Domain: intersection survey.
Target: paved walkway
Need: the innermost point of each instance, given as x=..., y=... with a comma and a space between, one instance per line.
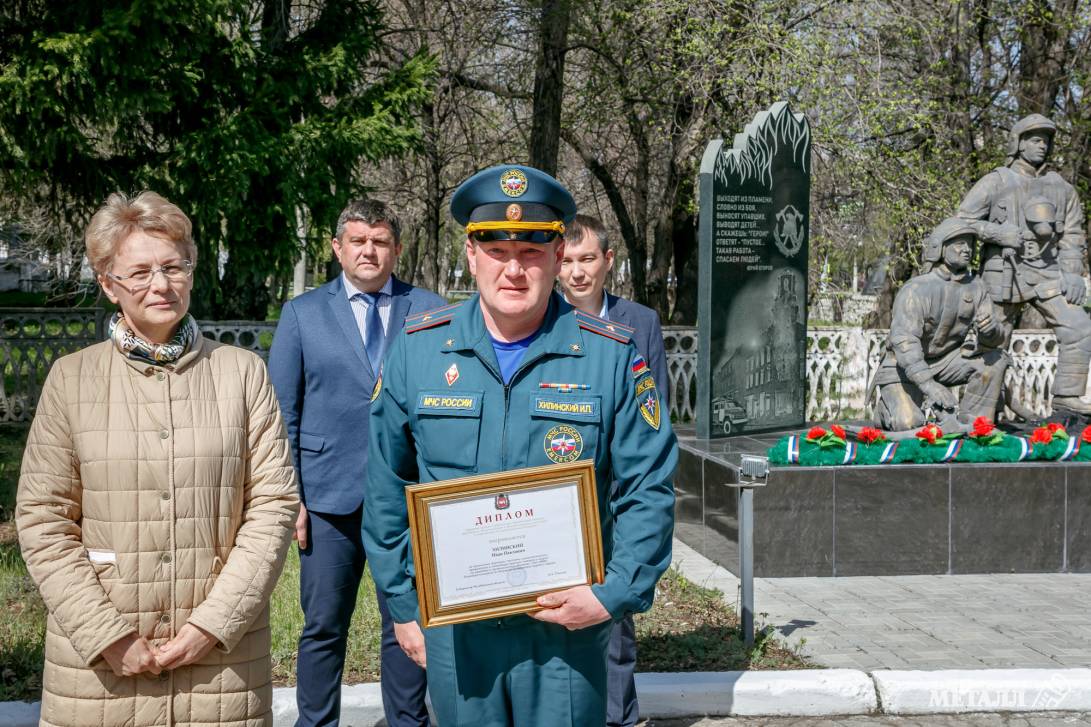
x=920, y=622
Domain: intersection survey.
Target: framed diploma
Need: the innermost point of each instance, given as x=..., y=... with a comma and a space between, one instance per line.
x=487, y=546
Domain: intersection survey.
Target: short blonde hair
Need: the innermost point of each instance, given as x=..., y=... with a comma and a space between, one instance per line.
x=120, y=216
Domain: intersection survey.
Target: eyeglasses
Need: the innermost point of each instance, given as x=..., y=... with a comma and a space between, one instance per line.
x=142, y=279
x=538, y=236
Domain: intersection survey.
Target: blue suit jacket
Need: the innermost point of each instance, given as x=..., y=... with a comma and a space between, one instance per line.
x=648, y=337
x=324, y=381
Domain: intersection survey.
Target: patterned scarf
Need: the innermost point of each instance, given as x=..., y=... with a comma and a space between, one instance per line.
x=138, y=349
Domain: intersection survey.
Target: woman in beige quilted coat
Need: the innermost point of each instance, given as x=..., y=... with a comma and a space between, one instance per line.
x=156, y=500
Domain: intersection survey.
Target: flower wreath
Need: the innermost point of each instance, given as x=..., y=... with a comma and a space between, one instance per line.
x=820, y=447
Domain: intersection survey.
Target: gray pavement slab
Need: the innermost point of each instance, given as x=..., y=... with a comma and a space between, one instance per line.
x=1035, y=620
x=1045, y=719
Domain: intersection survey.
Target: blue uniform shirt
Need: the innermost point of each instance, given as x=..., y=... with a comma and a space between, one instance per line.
x=510, y=354
x=495, y=427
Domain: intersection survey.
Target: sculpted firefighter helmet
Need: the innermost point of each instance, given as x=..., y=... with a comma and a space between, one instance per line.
x=1025, y=125
x=944, y=232
x=1040, y=209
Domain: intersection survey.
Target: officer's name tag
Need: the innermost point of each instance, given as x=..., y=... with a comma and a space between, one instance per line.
x=487, y=546
x=576, y=408
x=444, y=402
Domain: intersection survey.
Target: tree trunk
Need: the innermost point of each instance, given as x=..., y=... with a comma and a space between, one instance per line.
x=433, y=203
x=275, y=16
x=900, y=271
x=684, y=237
x=545, y=132
x=1043, y=58
x=632, y=235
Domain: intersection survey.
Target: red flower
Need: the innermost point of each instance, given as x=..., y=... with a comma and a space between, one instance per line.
x=838, y=431
x=1041, y=435
x=983, y=427
x=1054, y=427
x=1086, y=436
x=870, y=435
x=930, y=433
x=816, y=433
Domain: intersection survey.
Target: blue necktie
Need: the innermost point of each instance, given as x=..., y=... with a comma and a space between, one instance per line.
x=374, y=335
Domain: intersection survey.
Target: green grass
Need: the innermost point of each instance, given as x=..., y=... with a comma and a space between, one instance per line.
x=362, y=657
x=22, y=626
x=688, y=629
x=13, y=438
x=22, y=613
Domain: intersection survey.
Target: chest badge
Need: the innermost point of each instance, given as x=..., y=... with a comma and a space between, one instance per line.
x=451, y=375
x=563, y=444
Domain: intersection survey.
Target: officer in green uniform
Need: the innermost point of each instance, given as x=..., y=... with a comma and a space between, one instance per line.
x=518, y=358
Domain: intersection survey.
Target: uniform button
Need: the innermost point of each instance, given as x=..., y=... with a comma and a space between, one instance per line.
x=165, y=557
x=164, y=676
x=163, y=434
x=160, y=376
x=164, y=495
x=165, y=618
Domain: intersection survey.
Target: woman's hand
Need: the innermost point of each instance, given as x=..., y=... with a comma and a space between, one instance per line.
x=189, y=645
x=131, y=655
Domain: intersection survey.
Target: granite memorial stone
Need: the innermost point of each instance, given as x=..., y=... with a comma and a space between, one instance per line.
x=752, y=296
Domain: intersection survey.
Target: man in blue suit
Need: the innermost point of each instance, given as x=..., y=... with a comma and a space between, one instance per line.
x=587, y=260
x=325, y=362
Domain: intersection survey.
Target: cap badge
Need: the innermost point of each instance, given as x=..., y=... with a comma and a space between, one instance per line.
x=514, y=212
x=513, y=183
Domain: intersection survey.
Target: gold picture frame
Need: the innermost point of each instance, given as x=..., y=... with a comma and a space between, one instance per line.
x=442, y=508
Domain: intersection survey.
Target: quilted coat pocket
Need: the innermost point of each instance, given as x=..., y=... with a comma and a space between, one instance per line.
x=104, y=562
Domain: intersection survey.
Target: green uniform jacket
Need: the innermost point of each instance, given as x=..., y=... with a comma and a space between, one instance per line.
x=421, y=433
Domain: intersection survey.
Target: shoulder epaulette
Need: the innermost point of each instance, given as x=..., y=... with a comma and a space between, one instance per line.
x=603, y=327
x=431, y=318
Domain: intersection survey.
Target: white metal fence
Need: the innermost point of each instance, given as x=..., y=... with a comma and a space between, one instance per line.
x=840, y=360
